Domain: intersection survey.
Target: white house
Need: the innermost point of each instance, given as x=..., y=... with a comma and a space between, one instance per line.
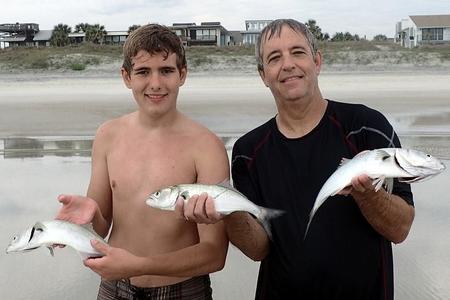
x=426, y=29
x=252, y=30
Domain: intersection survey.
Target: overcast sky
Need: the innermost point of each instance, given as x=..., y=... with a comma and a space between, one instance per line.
x=362, y=17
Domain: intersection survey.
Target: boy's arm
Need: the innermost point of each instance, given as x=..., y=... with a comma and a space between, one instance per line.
x=99, y=186
x=207, y=256
x=95, y=208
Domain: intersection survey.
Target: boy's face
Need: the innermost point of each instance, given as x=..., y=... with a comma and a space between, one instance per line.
x=154, y=81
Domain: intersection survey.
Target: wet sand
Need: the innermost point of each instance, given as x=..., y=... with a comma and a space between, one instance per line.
x=229, y=105
x=32, y=106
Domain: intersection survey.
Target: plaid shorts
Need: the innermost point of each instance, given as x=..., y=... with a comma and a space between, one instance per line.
x=196, y=288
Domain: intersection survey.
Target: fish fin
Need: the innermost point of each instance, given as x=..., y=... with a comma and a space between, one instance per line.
x=378, y=182
x=226, y=184
x=39, y=226
x=389, y=185
x=51, y=249
x=344, y=161
x=266, y=215
x=185, y=195
x=415, y=179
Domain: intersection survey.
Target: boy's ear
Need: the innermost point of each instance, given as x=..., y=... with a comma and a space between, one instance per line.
x=126, y=77
x=183, y=74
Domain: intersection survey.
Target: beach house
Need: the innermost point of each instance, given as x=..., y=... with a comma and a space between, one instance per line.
x=423, y=30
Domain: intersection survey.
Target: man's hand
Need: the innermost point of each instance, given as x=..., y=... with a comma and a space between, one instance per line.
x=76, y=209
x=116, y=263
x=359, y=185
x=199, y=209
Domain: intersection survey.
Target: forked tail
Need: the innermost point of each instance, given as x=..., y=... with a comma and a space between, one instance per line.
x=265, y=216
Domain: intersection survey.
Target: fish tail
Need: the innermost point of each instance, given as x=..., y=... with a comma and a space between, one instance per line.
x=307, y=226
x=265, y=216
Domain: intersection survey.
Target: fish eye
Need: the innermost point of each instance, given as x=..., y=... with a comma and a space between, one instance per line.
x=157, y=194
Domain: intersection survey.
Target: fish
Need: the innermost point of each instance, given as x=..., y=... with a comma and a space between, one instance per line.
x=57, y=232
x=226, y=200
x=382, y=165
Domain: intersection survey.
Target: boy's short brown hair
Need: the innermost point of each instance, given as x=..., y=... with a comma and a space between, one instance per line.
x=153, y=38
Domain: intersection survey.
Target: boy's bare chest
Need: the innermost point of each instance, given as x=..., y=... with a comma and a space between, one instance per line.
x=137, y=167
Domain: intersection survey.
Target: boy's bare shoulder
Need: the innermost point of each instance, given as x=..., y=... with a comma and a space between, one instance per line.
x=112, y=127
x=199, y=133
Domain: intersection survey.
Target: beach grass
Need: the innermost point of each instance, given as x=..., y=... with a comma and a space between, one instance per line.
x=86, y=55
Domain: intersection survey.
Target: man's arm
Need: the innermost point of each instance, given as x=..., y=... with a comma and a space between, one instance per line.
x=247, y=235
x=388, y=214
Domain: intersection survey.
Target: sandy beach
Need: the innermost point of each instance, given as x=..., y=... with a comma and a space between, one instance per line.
x=73, y=104
x=47, y=106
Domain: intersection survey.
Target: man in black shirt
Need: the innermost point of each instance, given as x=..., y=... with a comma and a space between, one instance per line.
x=283, y=163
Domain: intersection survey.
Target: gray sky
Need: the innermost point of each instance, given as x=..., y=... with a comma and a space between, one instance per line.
x=362, y=17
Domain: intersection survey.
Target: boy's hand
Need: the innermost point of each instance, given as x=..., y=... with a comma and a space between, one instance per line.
x=116, y=263
x=76, y=209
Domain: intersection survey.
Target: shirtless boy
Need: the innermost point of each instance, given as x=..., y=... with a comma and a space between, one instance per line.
x=151, y=252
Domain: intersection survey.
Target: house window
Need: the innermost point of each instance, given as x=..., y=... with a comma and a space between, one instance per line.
x=206, y=34
x=432, y=34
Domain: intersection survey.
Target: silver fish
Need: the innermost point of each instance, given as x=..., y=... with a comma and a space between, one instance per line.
x=382, y=165
x=226, y=200
x=50, y=233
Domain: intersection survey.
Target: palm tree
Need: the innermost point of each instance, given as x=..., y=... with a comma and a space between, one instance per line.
x=95, y=33
x=315, y=29
x=133, y=28
x=81, y=27
x=60, y=35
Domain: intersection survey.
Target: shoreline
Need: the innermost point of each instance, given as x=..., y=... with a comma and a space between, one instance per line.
x=72, y=103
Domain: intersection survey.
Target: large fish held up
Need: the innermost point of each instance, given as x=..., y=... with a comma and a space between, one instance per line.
x=57, y=232
x=382, y=165
x=226, y=200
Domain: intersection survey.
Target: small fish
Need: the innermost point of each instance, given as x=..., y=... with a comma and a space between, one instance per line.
x=57, y=232
x=226, y=200
x=382, y=165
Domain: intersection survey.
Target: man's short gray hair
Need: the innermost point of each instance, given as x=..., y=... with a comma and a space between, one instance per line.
x=274, y=28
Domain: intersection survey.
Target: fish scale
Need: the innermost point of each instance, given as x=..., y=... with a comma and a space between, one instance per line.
x=57, y=232
x=380, y=164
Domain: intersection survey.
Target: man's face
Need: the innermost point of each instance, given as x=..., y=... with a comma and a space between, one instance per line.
x=290, y=69
x=154, y=81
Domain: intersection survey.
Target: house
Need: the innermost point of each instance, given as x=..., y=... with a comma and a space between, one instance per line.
x=252, y=30
x=205, y=34
x=42, y=38
x=115, y=37
x=422, y=30
x=18, y=34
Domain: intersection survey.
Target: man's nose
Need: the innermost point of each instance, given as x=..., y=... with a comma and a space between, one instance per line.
x=288, y=63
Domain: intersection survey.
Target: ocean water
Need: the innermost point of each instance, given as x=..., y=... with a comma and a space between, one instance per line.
x=34, y=171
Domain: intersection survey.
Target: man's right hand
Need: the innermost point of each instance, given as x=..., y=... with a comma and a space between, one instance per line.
x=199, y=209
x=76, y=209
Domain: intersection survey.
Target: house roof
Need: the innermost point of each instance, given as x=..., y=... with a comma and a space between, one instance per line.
x=431, y=21
x=13, y=39
x=43, y=35
x=117, y=33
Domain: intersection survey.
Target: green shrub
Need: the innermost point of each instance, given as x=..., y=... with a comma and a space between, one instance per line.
x=78, y=66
